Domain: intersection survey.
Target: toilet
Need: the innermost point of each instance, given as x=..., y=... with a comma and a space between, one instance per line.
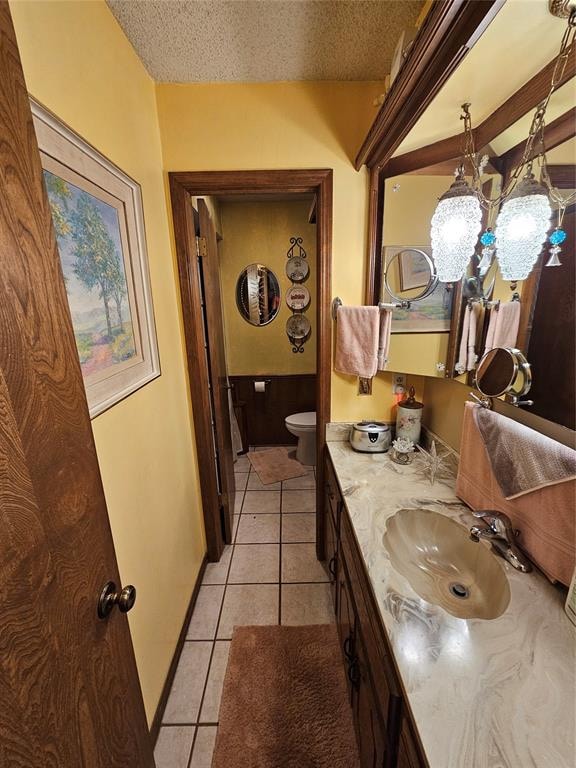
x=303, y=426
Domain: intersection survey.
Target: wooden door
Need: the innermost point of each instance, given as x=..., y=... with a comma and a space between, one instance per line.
x=69, y=690
x=217, y=366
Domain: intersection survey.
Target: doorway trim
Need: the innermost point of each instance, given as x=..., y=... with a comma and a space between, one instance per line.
x=183, y=186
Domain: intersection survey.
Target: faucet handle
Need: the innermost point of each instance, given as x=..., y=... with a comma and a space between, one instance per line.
x=496, y=520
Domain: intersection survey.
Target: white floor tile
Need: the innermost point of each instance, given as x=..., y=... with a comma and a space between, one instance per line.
x=173, y=746
x=203, y=747
x=206, y=612
x=183, y=703
x=213, y=692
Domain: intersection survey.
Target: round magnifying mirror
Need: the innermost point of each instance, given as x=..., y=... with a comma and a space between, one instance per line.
x=258, y=294
x=503, y=371
x=409, y=274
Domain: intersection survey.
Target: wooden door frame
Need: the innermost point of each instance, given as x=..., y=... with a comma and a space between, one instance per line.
x=183, y=186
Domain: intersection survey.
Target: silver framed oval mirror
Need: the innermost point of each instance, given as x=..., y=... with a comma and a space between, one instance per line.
x=504, y=371
x=409, y=274
x=258, y=294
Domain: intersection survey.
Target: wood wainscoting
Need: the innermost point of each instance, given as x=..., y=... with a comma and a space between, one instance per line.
x=266, y=411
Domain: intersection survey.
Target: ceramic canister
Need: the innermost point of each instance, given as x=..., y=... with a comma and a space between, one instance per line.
x=409, y=418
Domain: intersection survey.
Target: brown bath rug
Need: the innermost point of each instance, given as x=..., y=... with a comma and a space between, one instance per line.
x=275, y=464
x=284, y=702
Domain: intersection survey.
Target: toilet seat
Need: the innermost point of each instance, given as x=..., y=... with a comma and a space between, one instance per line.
x=306, y=421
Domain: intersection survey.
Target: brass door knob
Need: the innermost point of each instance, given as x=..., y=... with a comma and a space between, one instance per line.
x=109, y=597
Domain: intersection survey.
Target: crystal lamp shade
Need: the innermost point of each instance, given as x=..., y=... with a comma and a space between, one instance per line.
x=521, y=229
x=455, y=228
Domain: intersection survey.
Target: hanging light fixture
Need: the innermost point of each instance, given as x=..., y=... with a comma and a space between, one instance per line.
x=524, y=203
x=522, y=227
x=456, y=224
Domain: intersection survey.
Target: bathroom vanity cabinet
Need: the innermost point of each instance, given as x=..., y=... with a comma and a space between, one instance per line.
x=384, y=730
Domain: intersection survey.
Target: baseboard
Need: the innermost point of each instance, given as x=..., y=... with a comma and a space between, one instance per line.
x=157, y=721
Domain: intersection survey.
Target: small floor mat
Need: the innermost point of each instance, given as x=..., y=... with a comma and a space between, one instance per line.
x=275, y=464
x=285, y=701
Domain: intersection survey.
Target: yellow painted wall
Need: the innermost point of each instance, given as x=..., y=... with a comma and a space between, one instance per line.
x=444, y=411
x=260, y=232
x=79, y=64
x=247, y=126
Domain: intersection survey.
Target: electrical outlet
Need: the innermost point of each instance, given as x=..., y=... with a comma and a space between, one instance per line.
x=399, y=384
x=364, y=386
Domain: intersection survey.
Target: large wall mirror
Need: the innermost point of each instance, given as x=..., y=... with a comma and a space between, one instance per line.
x=485, y=301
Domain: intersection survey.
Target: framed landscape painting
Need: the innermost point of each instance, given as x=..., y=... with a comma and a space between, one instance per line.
x=99, y=223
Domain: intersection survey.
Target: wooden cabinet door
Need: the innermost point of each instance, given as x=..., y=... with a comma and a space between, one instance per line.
x=370, y=732
x=408, y=752
x=69, y=690
x=331, y=551
x=346, y=623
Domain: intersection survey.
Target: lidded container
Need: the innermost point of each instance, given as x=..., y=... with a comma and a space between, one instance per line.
x=409, y=417
x=370, y=437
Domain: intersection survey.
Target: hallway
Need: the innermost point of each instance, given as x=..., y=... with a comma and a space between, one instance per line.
x=269, y=575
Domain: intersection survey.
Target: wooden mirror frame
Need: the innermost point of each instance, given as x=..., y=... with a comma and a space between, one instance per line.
x=441, y=156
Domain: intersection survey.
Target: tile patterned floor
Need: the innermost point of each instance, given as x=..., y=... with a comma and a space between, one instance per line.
x=269, y=575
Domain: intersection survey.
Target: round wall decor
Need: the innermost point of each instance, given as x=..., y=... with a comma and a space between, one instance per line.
x=297, y=269
x=298, y=331
x=298, y=297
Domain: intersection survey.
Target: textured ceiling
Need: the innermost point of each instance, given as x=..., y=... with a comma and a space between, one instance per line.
x=265, y=40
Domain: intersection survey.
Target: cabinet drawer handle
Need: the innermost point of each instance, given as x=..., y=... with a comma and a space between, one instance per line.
x=354, y=672
x=348, y=648
x=332, y=566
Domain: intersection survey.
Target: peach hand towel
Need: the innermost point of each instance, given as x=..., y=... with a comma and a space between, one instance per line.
x=467, y=357
x=503, y=326
x=545, y=517
x=461, y=365
x=357, y=339
x=384, y=338
x=471, y=357
x=522, y=459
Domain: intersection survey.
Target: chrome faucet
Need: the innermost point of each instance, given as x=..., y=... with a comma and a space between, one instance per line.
x=501, y=534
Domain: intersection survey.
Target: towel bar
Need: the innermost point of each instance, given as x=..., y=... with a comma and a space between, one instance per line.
x=492, y=304
x=337, y=303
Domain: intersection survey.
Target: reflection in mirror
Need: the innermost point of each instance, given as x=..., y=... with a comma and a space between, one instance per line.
x=408, y=274
x=258, y=294
x=420, y=334
x=504, y=371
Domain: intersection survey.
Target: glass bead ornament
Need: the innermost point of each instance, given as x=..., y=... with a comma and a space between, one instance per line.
x=487, y=239
x=556, y=239
x=455, y=227
x=521, y=228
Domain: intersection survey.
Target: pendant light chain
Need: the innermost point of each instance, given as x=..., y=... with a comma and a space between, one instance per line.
x=522, y=208
x=535, y=135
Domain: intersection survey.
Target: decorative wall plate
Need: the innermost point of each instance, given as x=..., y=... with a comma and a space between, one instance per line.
x=298, y=327
x=298, y=297
x=297, y=269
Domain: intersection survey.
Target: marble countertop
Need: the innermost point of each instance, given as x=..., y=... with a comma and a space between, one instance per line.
x=496, y=693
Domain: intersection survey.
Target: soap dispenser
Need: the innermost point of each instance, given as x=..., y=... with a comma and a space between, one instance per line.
x=409, y=417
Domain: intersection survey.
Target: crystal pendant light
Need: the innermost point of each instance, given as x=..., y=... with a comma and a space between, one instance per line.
x=522, y=227
x=455, y=227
